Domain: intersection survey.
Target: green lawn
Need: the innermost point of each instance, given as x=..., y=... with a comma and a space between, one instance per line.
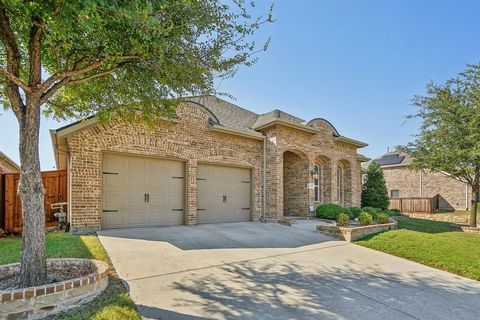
x=113, y=303
x=432, y=243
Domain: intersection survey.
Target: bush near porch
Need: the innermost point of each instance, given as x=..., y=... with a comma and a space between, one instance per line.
x=331, y=211
x=113, y=303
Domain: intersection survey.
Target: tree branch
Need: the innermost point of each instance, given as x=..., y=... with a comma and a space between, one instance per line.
x=15, y=80
x=96, y=75
x=13, y=63
x=50, y=92
x=34, y=52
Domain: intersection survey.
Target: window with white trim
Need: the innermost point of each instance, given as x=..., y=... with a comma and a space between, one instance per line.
x=340, y=185
x=394, y=193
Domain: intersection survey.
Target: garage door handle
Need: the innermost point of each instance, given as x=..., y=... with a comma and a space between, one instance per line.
x=224, y=198
x=177, y=209
x=148, y=197
x=245, y=208
x=110, y=210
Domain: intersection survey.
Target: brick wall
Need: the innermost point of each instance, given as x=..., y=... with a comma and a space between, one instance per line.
x=452, y=192
x=320, y=148
x=190, y=139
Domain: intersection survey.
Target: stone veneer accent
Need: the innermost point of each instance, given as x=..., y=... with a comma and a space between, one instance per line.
x=454, y=195
x=190, y=139
x=354, y=233
x=38, y=302
x=446, y=217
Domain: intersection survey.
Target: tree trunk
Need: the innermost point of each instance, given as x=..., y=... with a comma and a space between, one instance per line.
x=33, y=270
x=473, y=209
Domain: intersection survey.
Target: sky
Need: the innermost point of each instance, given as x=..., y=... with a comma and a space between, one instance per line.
x=355, y=63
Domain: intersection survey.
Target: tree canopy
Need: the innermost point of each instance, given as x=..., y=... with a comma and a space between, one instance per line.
x=449, y=137
x=116, y=58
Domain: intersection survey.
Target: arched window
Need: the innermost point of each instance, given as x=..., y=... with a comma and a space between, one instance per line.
x=340, y=185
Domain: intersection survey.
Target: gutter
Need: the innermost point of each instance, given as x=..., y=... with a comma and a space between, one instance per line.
x=252, y=135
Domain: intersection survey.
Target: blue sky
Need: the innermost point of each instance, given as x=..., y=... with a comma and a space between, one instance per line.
x=355, y=63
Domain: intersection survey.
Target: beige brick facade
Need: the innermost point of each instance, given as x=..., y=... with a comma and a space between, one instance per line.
x=290, y=155
x=453, y=194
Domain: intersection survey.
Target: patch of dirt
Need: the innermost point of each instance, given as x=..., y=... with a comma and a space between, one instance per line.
x=56, y=272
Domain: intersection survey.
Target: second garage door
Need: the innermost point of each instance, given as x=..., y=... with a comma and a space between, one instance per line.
x=223, y=194
x=141, y=192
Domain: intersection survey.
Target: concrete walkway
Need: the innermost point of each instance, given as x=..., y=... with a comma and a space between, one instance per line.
x=269, y=271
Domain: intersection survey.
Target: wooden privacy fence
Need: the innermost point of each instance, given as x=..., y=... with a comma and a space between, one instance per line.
x=55, y=183
x=414, y=205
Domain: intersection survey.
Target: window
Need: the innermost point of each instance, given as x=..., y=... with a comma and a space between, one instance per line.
x=318, y=173
x=340, y=181
x=394, y=193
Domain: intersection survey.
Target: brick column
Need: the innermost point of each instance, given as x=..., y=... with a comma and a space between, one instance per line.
x=191, y=193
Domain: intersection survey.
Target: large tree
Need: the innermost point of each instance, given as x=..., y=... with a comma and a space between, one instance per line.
x=119, y=59
x=374, y=191
x=449, y=137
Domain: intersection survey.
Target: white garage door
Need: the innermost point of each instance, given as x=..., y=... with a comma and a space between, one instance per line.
x=223, y=194
x=140, y=192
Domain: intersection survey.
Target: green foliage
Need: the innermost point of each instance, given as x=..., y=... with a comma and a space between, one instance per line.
x=342, y=219
x=365, y=218
x=355, y=212
x=330, y=211
x=431, y=243
x=449, y=138
x=382, y=218
x=393, y=212
x=133, y=59
x=374, y=191
x=372, y=211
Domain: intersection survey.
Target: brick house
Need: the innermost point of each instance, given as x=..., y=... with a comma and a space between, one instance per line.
x=217, y=162
x=402, y=182
x=7, y=165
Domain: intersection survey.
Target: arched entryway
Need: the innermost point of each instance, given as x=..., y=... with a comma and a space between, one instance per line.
x=344, y=183
x=295, y=180
x=322, y=179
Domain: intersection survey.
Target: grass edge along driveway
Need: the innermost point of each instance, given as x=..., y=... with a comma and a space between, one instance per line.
x=113, y=303
x=432, y=243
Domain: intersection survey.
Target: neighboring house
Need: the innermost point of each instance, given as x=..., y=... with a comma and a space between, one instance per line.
x=7, y=165
x=402, y=182
x=216, y=163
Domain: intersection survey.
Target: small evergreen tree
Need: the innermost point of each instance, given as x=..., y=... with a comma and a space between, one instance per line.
x=374, y=191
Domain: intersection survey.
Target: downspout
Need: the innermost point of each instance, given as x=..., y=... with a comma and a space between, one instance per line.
x=264, y=209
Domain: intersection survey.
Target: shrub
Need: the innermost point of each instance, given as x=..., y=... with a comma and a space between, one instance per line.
x=355, y=212
x=374, y=191
x=365, y=218
x=372, y=211
x=393, y=212
x=343, y=219
x=382, y=218
x=330, y=211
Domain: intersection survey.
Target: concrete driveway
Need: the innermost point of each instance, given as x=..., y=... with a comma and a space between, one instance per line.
x=269, y=271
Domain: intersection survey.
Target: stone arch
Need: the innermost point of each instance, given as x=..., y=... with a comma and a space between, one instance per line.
x=295, y=175
x=322, y=179
x=344, y=182
x=323, y=123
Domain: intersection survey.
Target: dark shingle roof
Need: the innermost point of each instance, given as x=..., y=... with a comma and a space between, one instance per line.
x=228, y=114
x=233, y=116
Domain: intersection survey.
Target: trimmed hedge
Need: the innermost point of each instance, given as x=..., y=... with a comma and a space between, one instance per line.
x=365, y=218
x=342, y=220
x=331, y=211
x=355, y=212
x=372, y=211
x=382, y=218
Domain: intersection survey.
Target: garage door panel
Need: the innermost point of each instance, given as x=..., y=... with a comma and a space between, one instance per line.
x=136, y=177
x=215, y=182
